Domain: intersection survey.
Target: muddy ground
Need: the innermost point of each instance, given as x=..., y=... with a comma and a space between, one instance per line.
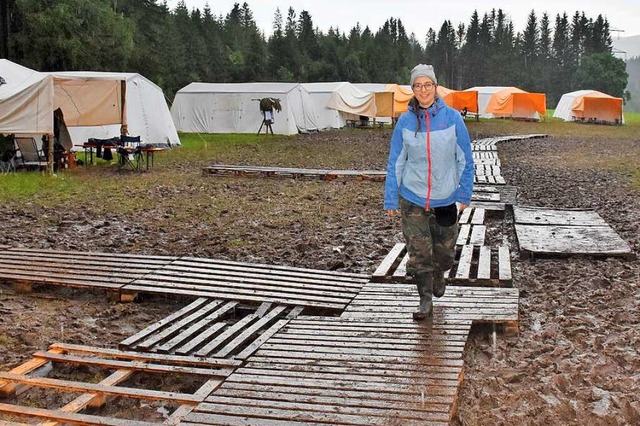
x=575, y=361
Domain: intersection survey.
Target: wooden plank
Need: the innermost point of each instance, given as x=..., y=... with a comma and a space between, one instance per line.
x=92, y=399
x=248, y=296
x=8, y=388
x=71, y=386
x=249, y=331
x=145, y=357
x=464, y=264
x=189, y=347
x=463, y=235
x=265, y=336
x=130, y=365
x=224, y=336
x=176, y=326
x=484, y=263
x=190, y=308
x=391, y=259
x=178, y=415
x=68, y=418
x=311, y=278
x=552, y=239
x=477, y=235
x=565, y=217
x=478, y=216
x=401, y=271
x=193, y=332
x=504, y=263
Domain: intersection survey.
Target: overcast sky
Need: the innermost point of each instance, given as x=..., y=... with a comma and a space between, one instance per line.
x=418, y=16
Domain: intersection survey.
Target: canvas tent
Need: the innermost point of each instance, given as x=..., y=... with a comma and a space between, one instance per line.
x=348, y=103
x=384, y=99
x=509, y=102
x=26, y=100
x=459, y=99
x=93, y=106
x=589, y=105
x=234, y=108
x=401, y=97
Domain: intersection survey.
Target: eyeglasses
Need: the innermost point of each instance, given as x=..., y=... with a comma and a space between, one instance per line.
x=426, y=86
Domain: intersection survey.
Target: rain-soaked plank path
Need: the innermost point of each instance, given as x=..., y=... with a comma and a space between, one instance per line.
x=373, y=365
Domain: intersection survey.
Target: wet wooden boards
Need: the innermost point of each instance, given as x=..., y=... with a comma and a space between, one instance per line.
x=543, y=231
x=208, y=328
x=295, y=173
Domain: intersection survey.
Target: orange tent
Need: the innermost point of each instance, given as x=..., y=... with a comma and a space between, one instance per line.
x=459, y=100
x=401, y=97
x=516, y=103
x=589, y=105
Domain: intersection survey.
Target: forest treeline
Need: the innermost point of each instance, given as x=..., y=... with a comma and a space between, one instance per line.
x=173, y=48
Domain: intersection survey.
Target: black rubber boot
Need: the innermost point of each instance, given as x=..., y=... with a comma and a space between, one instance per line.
x=424, y=282
x=439, y=285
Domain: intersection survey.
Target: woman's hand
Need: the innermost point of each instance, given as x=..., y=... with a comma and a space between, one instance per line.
x=391, y=213
x=461, y=206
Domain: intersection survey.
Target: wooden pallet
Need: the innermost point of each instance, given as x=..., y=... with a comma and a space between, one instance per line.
x=554, y=232
x=485, y=156
x=488, y=170
x=331, y=370
x=472, y=215
x=474, y=265
x=492, y=180
x=123, y=365
x=396, y=302
x=210, y=328
x=252, y=283
x=107, y=271
x=295, y=173
x=481, y=265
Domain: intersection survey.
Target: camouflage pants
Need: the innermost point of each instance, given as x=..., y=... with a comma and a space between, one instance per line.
x=430, y=246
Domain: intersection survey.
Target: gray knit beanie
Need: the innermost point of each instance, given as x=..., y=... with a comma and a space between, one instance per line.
x=422, y=70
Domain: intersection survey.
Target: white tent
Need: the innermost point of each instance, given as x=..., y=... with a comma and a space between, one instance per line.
x=337, y=102
x=235, y=108
x=589, y=105
x=485, y=93
x=384, y=99
x=26, y=100
x=92, y=106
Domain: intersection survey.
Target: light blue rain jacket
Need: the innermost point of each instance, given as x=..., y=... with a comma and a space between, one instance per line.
x=452, y=168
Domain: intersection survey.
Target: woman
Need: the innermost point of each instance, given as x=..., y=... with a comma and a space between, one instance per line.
x=430, y=169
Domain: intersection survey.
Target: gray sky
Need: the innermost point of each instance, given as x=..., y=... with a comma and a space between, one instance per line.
x=418, y=16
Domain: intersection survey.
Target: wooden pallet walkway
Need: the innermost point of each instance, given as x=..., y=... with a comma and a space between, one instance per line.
x=25, y=267
x=552, y=232
x=114, y=367
x=372, y=366
x=210, y=328
x=251, y=283
x=295, y=173
x=474, y=265
x=126, y=275
x=395, y=301
x=339, y=371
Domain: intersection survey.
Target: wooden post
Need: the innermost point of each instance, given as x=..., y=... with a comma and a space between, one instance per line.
x=50, y=155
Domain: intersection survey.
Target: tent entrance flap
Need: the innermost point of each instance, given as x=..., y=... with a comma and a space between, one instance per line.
x=89, y=102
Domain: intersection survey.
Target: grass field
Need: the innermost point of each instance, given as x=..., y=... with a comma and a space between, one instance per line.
x=198, y=150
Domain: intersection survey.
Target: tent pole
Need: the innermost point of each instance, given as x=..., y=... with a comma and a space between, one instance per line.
x=50, y=154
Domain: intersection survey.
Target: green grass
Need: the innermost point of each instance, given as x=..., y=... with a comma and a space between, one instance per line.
x=177, y=170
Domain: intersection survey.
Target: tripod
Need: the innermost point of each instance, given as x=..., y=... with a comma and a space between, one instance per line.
x=267, y=120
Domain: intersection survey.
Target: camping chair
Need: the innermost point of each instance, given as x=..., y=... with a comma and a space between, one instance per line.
x=30, y=156
x=7, y=154
x=130, y=155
